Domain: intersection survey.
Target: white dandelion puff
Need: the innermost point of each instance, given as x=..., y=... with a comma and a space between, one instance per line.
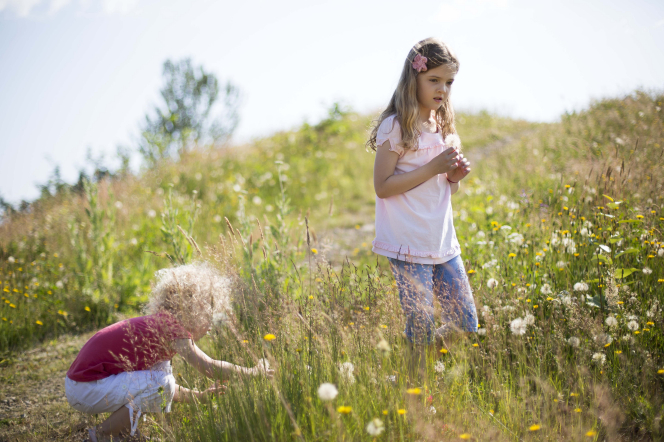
x=611, y=321
x=439, y=367
x=599, y=358
x=546, y=289
x=580, y=287
x=647, y=270
x=481, y=331
x=491, y=283
x=327, y=391
x=633, y=325
x=11, y=260
x=529, y=319
x=347, y=369
x=376, y=426
x=518, y=326
x=453, y=140
x=574, y=341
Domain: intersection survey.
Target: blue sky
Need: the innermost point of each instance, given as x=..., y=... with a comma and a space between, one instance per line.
x=81, y=74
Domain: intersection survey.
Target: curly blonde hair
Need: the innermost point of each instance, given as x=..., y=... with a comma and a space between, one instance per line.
x=404, y=103
x=194, y=294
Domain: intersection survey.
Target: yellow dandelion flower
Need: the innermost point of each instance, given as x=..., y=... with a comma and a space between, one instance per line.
x=650, y=323
x=660, y=371
x=471, y=271
x=344, y=409
x=637, y=332
x=383, y=326
x=513, y=284
x=366, y=308
x=87, y=309
x=385, y=412
x=245, y=341
x=577, y=410
x=576, y=254
x=269, y=337
x=512, y=255
x=528, y=300
x=314, y=251
x=476, y=345
x=401, y=411
x=12, y=305
x=443, y=350
x=534, y=427
x=535, y=306
x=549, y=298
x=357, y=226
x=528, y=225
x=574, y=394
x=646, y=329
x=618, y=352
x=465, y=436
x=639, y=216
x=591, y=433
x=620, y=302
x=414, y=391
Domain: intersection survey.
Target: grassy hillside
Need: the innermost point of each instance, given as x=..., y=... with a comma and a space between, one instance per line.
x=560, y=226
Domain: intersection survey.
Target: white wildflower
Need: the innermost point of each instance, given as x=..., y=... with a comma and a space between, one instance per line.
x=133, y=242
x=529, y=319
x=327, y=391
x=546, y=289
x=376, y=426
x=584, y=232
x=518, y=326
x=489, y=210
x=574, y=341
x=439, y=367
x=489, y=264
x=383, y=346
x=217, y=218
x=59, y=284
x=504, y=229
x=599, y=358
x=347, y=369
x=611, y=321
x=560, y=264
x=152, y=213
x=11, y=260
x=481, y=331
x=580, y=287
x=257, y=200
x=118, y=205
x=516, y=238
x=633, y=325
x=480, y=234
x=647, y=270
x=432, y=410
x=660, y=252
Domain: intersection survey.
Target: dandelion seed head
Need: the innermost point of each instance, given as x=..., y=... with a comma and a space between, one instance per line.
x=518, y=327
x=375, y=427
x=574, y=341
x=491, y=283
x=327, y=391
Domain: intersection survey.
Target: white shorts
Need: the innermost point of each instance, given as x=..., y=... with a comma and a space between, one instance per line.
x=142, y=391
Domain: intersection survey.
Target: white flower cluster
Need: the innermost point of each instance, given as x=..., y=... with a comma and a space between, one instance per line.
x=580, y=287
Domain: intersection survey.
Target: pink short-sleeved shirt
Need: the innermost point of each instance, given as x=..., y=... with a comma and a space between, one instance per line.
x=131, y=345
x=417, y=225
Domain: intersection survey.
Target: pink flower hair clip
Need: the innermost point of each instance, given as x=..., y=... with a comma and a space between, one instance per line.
x=420, y=63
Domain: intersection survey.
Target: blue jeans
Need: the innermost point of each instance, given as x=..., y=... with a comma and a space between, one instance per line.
x=417, y=283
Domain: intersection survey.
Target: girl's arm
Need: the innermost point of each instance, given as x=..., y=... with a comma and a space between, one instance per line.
x=454, y=187
x=211, y=367
x=387, y=184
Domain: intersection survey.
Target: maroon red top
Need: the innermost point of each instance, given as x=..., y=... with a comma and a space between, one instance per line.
x=130, y=345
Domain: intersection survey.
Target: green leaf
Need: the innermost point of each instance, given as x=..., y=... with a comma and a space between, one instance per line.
x=614, y=240
x=613, y=205
x=591, y=281
x=631, y=250
x=630, y=221
x=602, y=258
x=622, y=273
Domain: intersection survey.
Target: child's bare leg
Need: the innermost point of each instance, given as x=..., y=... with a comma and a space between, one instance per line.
x=117, y=425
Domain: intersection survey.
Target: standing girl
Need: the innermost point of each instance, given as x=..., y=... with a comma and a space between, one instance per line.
x=417, y=169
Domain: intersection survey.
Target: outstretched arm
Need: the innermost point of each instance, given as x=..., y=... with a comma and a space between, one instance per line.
x=213, y=368
x=183, y=394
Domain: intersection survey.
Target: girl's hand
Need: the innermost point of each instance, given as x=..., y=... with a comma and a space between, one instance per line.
x=217, y=390
x=262, y=369
x=461, y=171
x=445, y=161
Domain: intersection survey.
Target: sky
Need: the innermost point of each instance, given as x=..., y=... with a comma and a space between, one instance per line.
x=79, y=76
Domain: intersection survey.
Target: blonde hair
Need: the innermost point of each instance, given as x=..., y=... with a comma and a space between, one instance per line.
x=194, y=294
x=404, y=103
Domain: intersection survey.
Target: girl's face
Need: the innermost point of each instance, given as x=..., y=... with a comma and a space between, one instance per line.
x=434, y=86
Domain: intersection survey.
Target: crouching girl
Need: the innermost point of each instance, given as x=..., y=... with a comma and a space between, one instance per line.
x=125, y=369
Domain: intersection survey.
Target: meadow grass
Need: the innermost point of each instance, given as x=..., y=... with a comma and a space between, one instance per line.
x=561, y=236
